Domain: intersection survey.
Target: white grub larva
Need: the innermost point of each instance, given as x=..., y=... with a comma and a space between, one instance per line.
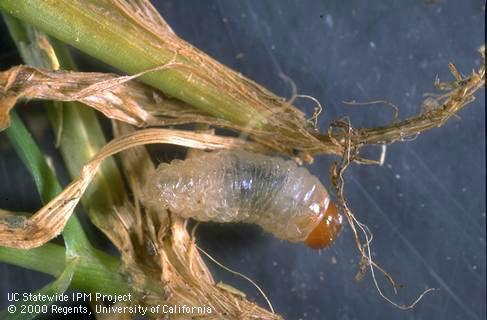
x=237, y=186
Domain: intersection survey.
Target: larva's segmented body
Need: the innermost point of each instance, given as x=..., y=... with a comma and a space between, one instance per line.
x=237, y=186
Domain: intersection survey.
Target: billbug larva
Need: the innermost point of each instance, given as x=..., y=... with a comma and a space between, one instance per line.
x=237, y=186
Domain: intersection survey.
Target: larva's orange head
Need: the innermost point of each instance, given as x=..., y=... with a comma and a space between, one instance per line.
x=327, y=230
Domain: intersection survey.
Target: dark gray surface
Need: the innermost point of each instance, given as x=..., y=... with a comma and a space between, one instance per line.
x=426, y=205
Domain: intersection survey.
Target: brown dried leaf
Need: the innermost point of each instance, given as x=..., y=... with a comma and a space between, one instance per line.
x=115, y=96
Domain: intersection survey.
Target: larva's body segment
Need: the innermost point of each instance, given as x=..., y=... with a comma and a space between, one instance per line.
x=237, y=186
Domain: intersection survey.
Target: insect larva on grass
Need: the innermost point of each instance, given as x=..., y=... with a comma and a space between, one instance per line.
x=237, y=186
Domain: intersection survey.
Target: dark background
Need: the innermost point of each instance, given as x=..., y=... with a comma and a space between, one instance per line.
x=425, y=206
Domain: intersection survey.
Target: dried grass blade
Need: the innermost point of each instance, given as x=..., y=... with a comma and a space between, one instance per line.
x=115, y=96
x=48, y=222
